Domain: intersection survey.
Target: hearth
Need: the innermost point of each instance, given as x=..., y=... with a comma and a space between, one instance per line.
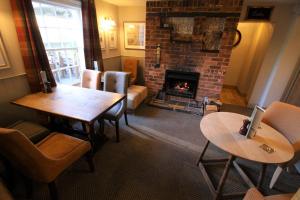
x=181, y=83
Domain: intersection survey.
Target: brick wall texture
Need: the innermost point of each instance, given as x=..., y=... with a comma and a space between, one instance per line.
x=190, y=56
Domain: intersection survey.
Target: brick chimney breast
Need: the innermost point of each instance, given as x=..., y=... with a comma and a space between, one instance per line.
x=202, y=54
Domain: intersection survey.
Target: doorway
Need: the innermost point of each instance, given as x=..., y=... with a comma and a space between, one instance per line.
x=245, y=62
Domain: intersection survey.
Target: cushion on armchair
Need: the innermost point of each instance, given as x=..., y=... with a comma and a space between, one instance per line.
x=254, y=194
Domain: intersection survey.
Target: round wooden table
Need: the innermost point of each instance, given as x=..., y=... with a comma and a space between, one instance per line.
x=222, y=130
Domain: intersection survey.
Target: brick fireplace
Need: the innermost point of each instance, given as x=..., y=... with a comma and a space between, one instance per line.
x=212, y=20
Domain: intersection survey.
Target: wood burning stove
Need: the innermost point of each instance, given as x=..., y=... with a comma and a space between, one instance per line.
x=181, y=83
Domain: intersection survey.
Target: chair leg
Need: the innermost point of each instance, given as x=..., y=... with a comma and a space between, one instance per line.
x=53, y=190
x=90, y=161
x=83, y=127
x=275, y=176
x=117, y=131
x=126, y=119
x=101, y=125
x=28, y=187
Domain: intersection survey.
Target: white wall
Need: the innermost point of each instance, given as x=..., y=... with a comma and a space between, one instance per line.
x=130, y=14
x=113, y=58
x=240, y=53
x=13, y=82
x=284, y=66
x=282, y=20
x=108, y=10
x=264, y=35
x=247, y=57
x=9, y=35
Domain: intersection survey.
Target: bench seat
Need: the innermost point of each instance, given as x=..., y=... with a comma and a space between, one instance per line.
x=136, y=94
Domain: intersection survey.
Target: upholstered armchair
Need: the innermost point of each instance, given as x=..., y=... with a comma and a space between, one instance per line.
x=4, y=192
x=91, y=79
x=130, y=66
x=285, y=118
x=254, y=194
x=33, y=131
x=116, y=82
x=45, y=161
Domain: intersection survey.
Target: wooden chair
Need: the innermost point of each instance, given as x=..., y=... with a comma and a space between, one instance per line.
x=45, y=161
x=285, y=118
x=116, y=82
x=91, y=79
x=254, y=194
x=130, y=65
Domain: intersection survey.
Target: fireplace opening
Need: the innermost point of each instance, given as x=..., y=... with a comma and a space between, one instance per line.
x=181, y=83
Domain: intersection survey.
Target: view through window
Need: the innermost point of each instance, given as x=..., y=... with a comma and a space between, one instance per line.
x=60, y=25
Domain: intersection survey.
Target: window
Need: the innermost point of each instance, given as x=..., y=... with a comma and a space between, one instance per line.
x=60, y=25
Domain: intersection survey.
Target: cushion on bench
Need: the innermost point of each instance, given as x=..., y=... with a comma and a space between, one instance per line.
x=136, y=94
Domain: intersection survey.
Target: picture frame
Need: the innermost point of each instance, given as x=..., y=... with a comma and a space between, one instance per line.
x=255, y=13
x=112, y=39
x=102, y=39
x=4, y=61
x=134, y=35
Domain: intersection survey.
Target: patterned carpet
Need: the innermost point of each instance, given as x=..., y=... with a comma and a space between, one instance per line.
x=145, y=167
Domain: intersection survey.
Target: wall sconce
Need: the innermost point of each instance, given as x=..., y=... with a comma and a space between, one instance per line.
x=107, y=23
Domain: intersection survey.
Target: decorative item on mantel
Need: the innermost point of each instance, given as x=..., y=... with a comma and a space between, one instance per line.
x=157, y=64
x=182, y=28
x=208, y=30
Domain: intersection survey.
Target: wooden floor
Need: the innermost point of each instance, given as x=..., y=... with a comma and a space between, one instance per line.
x=231, y=96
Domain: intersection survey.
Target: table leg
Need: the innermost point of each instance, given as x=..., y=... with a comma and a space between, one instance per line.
x=101, y=124
x=224, y=177
x=261, y=176
x=91, y=133
x=202, y=153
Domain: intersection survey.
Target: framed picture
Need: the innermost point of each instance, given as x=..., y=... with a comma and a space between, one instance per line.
x=112, y=39
x=102, y=39
x=4, y=63
x=134, y=35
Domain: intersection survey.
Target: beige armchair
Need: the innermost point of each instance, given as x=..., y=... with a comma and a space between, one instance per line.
x=130, y=66
x=254, y=194
x=285, y=118
x=4, y=192
x=91, y=79
x=46, y=160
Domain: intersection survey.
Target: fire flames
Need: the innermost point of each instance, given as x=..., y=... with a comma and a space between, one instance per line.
x=182, y=86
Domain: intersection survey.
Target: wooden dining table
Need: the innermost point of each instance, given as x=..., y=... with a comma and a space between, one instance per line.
x=71, y=102
x=268, y=146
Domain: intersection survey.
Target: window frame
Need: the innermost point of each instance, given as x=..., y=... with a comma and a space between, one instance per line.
x=78, y=64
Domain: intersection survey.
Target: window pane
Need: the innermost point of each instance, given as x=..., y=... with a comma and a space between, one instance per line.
x=61, y=30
